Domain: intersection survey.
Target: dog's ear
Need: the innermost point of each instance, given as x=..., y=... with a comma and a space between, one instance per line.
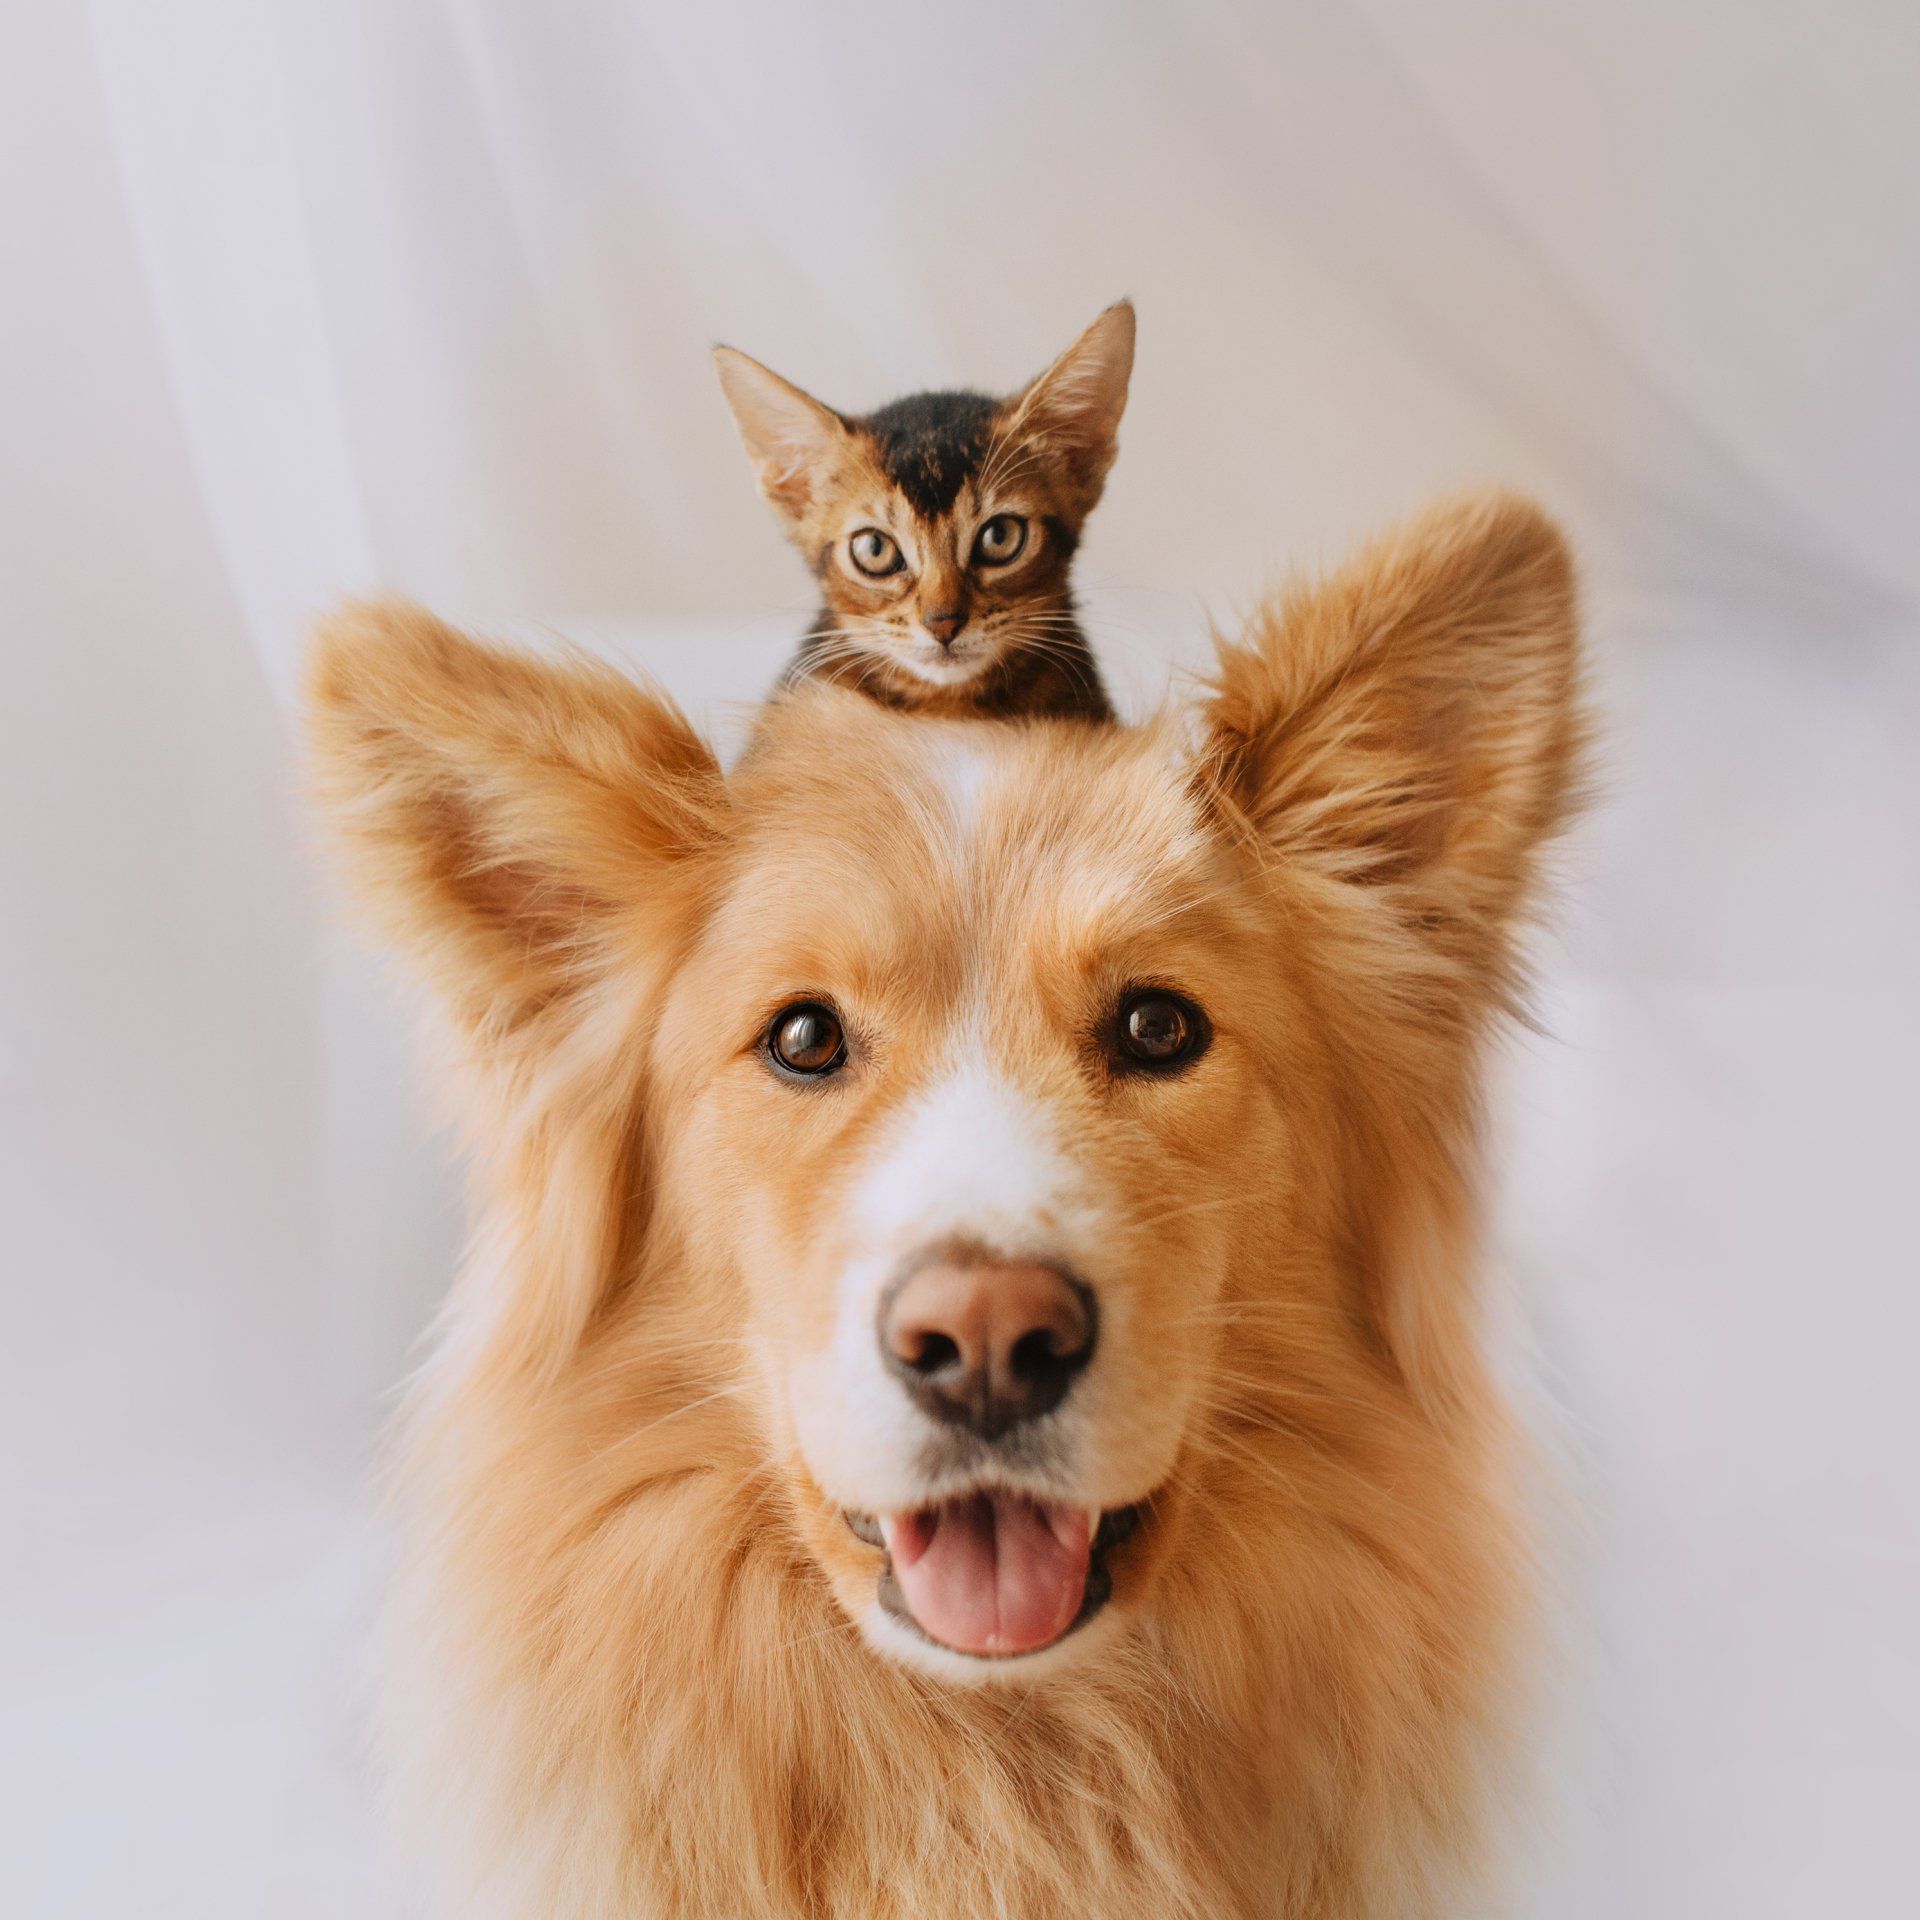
x=508, y=821
x=1411, y=724
x=1398, y=743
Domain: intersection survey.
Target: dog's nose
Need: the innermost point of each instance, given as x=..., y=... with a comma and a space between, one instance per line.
x=945, y=627
x=986, y=1343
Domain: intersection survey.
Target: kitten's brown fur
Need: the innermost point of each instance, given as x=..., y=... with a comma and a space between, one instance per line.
x=947, y=631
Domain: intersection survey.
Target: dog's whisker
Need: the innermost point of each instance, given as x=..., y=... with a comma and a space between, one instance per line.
x=634, y=1434
x=1186, y=1209
x=839, y=1629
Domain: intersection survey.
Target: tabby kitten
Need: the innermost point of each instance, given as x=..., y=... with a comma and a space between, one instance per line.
x=941, y=528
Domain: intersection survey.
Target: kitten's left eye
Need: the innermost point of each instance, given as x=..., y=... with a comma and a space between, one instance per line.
x=1003, y=538
x=875, y=553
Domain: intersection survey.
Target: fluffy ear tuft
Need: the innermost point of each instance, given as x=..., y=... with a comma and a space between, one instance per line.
x=1398, y=742
x=789, y=436
x=1075, y=406
x=505, y=819
x=1412, y=723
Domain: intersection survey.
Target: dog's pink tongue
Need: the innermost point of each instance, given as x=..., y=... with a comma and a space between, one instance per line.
x=993, y=1573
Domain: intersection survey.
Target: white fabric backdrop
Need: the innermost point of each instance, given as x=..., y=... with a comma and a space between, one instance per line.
x=331, y=294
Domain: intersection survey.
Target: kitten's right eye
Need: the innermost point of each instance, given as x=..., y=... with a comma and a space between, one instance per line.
x=876, y=554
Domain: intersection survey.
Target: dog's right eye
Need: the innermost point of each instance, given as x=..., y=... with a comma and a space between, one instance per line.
x=807, y=1039
x=1159, y=1032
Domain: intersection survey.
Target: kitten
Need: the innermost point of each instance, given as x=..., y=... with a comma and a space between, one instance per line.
x=941, y=528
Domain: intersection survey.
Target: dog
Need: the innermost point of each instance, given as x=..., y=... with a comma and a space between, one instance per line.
x=967, y=1395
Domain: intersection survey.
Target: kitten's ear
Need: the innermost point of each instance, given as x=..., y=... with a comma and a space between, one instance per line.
x=1075, y=406
x=789, y=436
x=1411, y=725
x=516, y=827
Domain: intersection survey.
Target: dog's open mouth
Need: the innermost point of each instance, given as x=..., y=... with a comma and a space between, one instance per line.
x=995, y=1573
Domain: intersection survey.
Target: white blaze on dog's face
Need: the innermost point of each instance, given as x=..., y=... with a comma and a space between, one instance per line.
x=982, y=1220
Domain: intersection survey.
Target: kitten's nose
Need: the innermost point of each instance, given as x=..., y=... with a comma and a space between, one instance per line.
x=945, y=627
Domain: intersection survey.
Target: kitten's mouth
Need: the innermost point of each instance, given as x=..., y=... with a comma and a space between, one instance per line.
x=943, y=668
x=995, y=1574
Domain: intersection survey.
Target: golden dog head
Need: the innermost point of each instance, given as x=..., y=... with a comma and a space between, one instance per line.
x=1032, y=1152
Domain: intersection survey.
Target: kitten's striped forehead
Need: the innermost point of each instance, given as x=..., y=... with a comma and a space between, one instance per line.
x=929, y=444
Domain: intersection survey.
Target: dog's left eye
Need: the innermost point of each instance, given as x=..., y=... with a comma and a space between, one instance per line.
x=1159, y=1032
x=807, y=1039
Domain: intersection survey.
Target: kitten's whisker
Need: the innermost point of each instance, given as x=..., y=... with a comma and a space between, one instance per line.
x=1010, y=467
x=998, y=447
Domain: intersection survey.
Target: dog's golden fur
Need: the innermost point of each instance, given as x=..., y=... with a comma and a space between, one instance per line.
x=634, y=1676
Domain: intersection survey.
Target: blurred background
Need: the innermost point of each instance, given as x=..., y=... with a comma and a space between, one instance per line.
x=323, y=295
